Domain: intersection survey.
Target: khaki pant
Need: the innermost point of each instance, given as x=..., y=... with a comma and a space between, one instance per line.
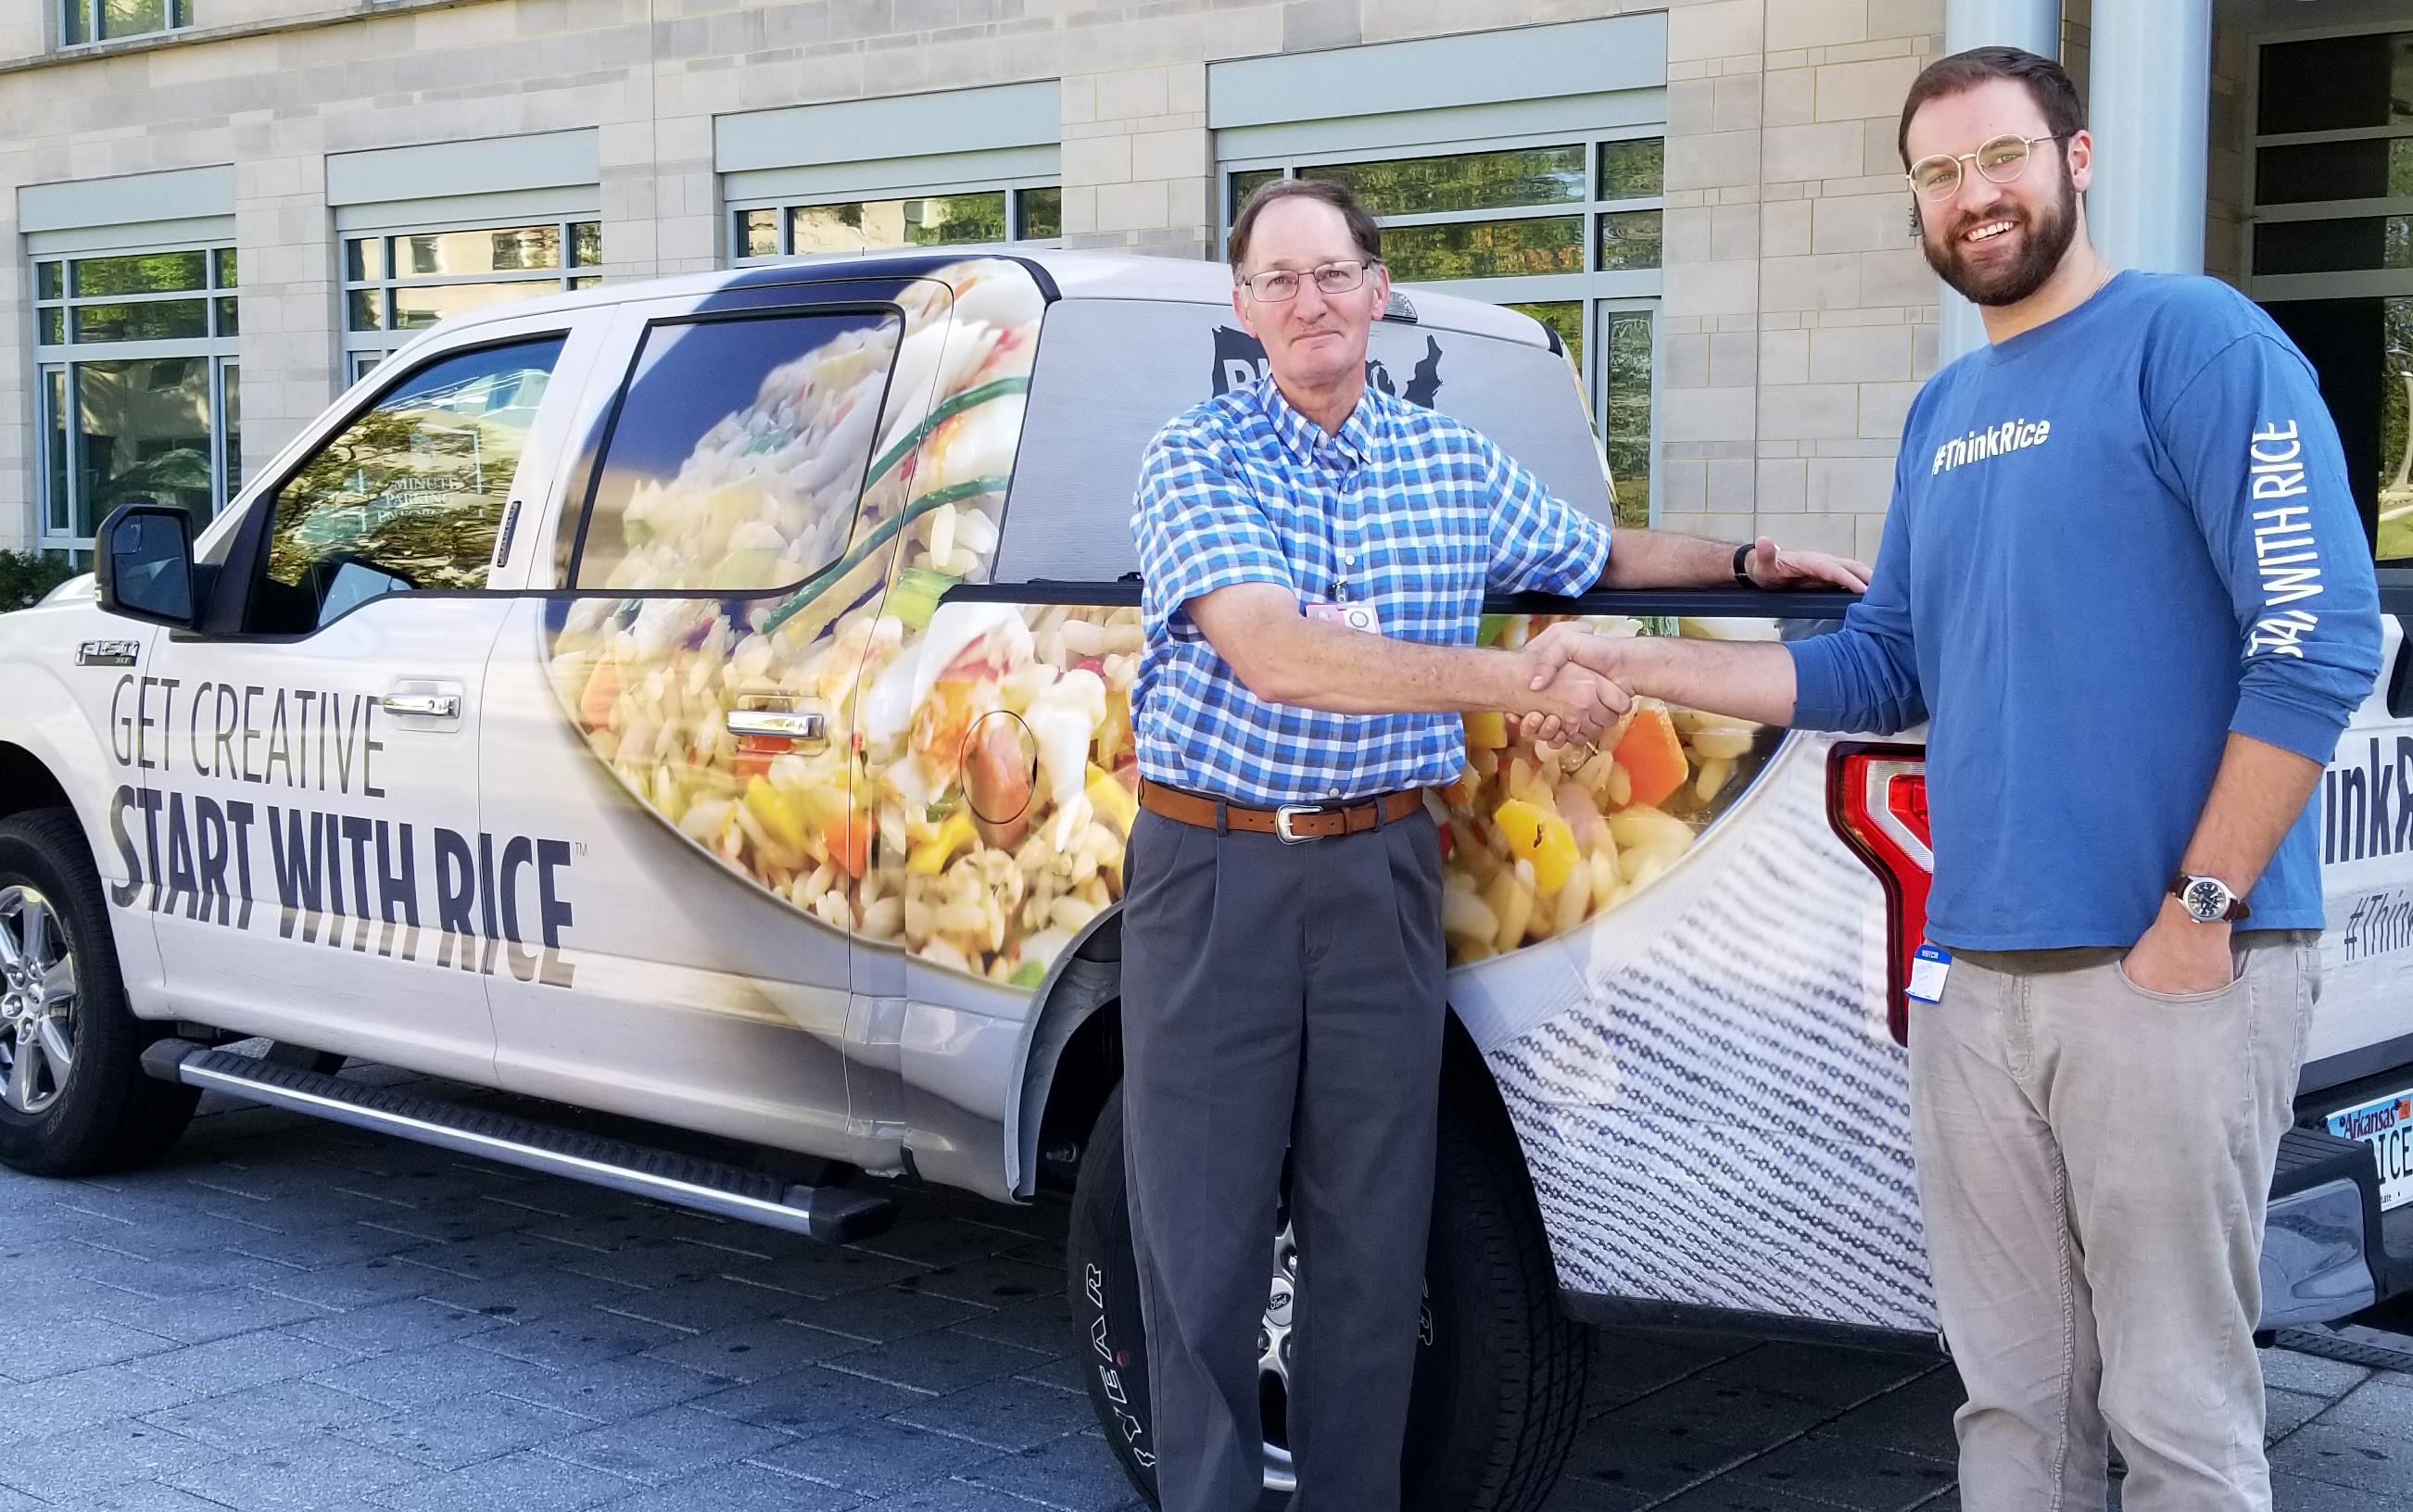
x=2094, y=1164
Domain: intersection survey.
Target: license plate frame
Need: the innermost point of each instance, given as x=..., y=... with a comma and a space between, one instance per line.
x=2384, y=1124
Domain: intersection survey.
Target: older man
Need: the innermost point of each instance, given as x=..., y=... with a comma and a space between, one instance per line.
x=1283, y=997
x=2123, y=569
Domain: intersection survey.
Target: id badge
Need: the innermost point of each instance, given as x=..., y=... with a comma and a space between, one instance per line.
x=1356, y=617
x=1927, y=972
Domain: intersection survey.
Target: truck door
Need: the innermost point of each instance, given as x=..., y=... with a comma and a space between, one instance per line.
x=310, y=835
x=678, y=707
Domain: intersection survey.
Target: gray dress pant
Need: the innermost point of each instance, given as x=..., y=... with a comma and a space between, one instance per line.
x=1281, y=999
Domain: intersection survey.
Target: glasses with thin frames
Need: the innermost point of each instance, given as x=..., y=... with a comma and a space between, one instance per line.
x=1998, y=161
x=1277, y=285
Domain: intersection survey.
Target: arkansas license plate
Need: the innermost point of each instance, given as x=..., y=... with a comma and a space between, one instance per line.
x=2386, y=1127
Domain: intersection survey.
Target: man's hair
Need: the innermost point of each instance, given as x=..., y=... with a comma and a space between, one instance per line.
x=1362, y=228
x=2045, y=81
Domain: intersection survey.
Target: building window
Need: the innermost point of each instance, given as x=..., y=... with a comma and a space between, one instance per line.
x=397, y=284
x=137, y=385
x=105, y=21
x=1566, y=231
x=2331, y=251
x=972, y=216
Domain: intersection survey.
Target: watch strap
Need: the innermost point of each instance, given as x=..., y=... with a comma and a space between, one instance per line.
x=1743, y=566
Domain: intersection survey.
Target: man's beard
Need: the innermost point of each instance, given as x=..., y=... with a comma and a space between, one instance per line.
x=2048, y=240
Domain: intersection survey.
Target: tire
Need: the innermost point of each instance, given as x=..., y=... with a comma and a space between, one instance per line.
x=104, y=1114
x=1499, y=1378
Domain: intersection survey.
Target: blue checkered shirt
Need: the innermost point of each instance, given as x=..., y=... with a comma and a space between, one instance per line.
x=1405, y=508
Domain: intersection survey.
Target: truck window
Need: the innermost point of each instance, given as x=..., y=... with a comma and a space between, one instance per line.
x=410, y=495
x=738, y=455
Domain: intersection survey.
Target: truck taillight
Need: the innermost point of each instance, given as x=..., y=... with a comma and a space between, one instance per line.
x=1877, y=797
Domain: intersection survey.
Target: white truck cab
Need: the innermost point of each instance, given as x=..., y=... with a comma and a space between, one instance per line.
x=707, y=703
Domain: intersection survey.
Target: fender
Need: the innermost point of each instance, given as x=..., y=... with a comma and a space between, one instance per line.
x=1085, y=978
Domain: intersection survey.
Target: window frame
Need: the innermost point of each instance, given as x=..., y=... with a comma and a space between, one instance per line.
x=2360, y=283
x=362, y=351
x=1595, y=292
x=733, y=217
x=54, y=516
x=179, y=14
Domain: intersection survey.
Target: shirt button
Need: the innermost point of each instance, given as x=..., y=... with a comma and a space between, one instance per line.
x=1336, y=792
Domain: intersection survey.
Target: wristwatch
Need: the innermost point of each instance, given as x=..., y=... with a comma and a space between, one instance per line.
x=1743, y=566
x=2208, y=899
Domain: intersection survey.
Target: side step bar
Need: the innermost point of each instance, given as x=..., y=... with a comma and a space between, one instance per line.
x=833, y=1214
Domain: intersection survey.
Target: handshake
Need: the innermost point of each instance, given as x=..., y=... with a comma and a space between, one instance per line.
x=1575, y=685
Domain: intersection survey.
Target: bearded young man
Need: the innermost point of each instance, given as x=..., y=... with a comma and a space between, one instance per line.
x=1283, y=1001
x=2124, y=571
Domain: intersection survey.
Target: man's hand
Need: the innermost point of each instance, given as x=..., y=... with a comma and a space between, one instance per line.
x=1769, y=567
x=2180, y=956
x=1569, y=702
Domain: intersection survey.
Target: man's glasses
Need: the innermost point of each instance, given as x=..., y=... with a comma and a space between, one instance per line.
x=1999, y=161
x=1277, y=285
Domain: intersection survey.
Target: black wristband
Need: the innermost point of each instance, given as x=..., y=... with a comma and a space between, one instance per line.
x=1742, y=568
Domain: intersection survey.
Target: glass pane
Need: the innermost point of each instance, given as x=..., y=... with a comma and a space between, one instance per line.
x=224, y=262
x=415, y=309
x=2396, y=430
x=1634, y=170
x=2333, y=82
x=78, y=27
x=739, y=454
x=363, y=363
x=1245, y=185
x=1629, y=240
x=1042, y=212
x=512, y=249
x=1467, y=181
x=758, y=233
x=1485, y=248
x=171, y=319
x=50, y=280
x=227, y=323
x=131, y=18
x=1627, y=421
x=55, y=447
x=157, y=272
x=935, y=220
x=1566, y=317
x=410, y=495
x=2345, y=245
x=364, y=259
x=2322, y=170
x=587, y=283
x=54, y=328
x=143, y=433
x=364, y=310
x=230, y=386
x=586, y=242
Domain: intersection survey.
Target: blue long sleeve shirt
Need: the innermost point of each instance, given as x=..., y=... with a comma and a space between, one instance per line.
x=2114, y=538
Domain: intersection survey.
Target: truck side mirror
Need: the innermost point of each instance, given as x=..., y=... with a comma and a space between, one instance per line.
x=143, y=564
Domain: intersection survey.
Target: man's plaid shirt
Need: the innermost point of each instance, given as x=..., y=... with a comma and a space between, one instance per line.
x=1406, y=510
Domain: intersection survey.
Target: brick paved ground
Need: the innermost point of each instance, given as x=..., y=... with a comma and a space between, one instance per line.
x=287, y=1315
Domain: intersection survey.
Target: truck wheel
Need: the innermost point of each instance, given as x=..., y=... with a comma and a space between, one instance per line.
x=73, y=1096
x=1499, y=1378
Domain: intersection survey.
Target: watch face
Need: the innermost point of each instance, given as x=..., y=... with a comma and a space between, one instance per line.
x=2205, y=898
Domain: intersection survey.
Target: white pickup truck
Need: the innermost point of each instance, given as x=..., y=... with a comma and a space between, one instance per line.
x=706, y=703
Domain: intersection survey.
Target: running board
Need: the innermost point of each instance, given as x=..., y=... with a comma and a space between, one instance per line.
x=833, y=1214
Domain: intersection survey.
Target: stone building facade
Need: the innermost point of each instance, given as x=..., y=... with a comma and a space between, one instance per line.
x=208, y=217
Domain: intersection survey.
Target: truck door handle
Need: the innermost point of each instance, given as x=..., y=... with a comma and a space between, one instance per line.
x=422, y=705
x=777, y=724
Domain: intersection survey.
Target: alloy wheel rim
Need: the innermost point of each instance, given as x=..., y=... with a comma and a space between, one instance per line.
x=38, y=997
x=1274, y=1354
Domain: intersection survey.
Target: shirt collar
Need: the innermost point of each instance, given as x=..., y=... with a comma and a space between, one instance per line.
x=1305, y=439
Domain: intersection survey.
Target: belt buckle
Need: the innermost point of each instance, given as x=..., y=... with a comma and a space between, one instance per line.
x=1283, y=815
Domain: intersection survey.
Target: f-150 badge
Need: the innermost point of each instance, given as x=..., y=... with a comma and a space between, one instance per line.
x=108, y=653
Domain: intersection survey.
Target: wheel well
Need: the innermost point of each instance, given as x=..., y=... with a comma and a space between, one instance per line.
x=26, y=784
x=1091, y=1066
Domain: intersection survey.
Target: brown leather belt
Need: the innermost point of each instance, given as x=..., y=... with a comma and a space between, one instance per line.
x=1292, y=822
